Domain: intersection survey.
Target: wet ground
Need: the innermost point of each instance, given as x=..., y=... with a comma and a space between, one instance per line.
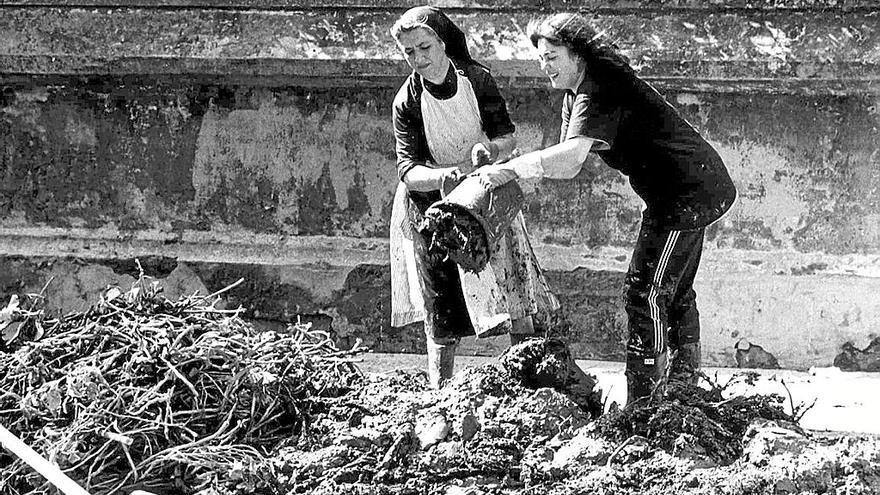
x=527, y=422
x=269, y=413
x=844, y=401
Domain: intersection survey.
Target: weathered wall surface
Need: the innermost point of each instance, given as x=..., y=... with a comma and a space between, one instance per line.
x=219, y=140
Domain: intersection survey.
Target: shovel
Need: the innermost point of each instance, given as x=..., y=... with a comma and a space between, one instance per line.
x=39, y=463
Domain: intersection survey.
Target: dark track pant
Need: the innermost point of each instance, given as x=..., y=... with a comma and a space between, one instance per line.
x=660, y=303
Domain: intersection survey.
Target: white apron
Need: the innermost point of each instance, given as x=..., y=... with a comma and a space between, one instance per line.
x=512, y=285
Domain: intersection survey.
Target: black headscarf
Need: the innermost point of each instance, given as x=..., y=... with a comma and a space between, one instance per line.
x=434, y=19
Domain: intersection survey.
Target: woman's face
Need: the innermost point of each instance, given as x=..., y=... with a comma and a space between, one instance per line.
x=425, y=53
x=562, y=66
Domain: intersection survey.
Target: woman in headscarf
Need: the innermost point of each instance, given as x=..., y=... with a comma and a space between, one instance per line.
x=449, y=117
x=610, y=111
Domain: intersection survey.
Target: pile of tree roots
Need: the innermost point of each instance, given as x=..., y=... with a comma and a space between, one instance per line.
x=143, y=392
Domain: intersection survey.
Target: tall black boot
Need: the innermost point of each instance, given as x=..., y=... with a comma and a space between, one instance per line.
x=645, y=378
x=686, y=363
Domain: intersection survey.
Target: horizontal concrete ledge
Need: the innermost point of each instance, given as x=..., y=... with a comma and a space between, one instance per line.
x=206, y=247
x=527, y=5
x=799, y=307
x=682, y=75
x=264, y=249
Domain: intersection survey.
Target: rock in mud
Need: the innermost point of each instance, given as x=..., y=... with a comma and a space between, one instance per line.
x=309, y=464
x=688, y=447
x=431, y=429
x=362, y=438
x=468, y=426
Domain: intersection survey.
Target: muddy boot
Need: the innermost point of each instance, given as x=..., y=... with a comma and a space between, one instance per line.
x=686, y=363
x=645, y=377
x=441, y=362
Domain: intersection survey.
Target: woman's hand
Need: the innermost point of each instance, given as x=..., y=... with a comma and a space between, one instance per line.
x=449, y=180
x=496, y=174
x=484, y=153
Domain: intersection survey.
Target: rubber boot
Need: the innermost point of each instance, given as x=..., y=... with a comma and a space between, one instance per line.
x=441, y=363
x=686, y=363
x=645, y=377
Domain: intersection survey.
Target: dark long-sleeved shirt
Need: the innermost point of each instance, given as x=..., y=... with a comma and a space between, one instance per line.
x=409, y=129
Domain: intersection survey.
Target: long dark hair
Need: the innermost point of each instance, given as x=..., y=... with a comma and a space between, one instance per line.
x=605, y=64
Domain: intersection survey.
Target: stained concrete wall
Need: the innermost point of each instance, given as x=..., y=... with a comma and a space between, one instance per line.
x=216, y=140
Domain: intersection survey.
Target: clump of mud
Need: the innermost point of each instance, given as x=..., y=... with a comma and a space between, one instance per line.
x=549, y=363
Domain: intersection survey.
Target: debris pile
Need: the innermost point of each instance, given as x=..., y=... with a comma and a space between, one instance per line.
x=186, y=398
x=527, y=423
x=142, y=392
x=396, y=433
x=749, y=355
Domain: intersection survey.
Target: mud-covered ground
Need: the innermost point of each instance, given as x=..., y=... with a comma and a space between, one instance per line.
x=183, y=398
x=531, y=422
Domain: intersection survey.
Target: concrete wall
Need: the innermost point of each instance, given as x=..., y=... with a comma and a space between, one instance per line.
x=216, y=139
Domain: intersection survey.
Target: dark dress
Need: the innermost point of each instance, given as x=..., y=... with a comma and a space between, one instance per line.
x=436, y=126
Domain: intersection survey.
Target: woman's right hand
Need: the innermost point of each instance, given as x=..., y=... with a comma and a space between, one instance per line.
x=484, y=154
x=449, y=180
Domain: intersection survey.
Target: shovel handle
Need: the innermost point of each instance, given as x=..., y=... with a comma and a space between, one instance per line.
x=49, y=471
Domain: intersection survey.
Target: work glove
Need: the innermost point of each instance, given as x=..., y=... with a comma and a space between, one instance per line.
x=496, y=175
x=528, y=166
x=484, y=153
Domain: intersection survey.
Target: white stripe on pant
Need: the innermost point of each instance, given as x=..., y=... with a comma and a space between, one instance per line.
x=659, y=330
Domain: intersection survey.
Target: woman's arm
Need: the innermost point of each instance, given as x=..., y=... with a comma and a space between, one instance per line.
x=560, y=161
x=422, y=178
x=411, y=146
x=496, y=120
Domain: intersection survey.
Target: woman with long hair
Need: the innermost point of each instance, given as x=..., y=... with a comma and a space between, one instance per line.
x=610, y=111
x=449, y=118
